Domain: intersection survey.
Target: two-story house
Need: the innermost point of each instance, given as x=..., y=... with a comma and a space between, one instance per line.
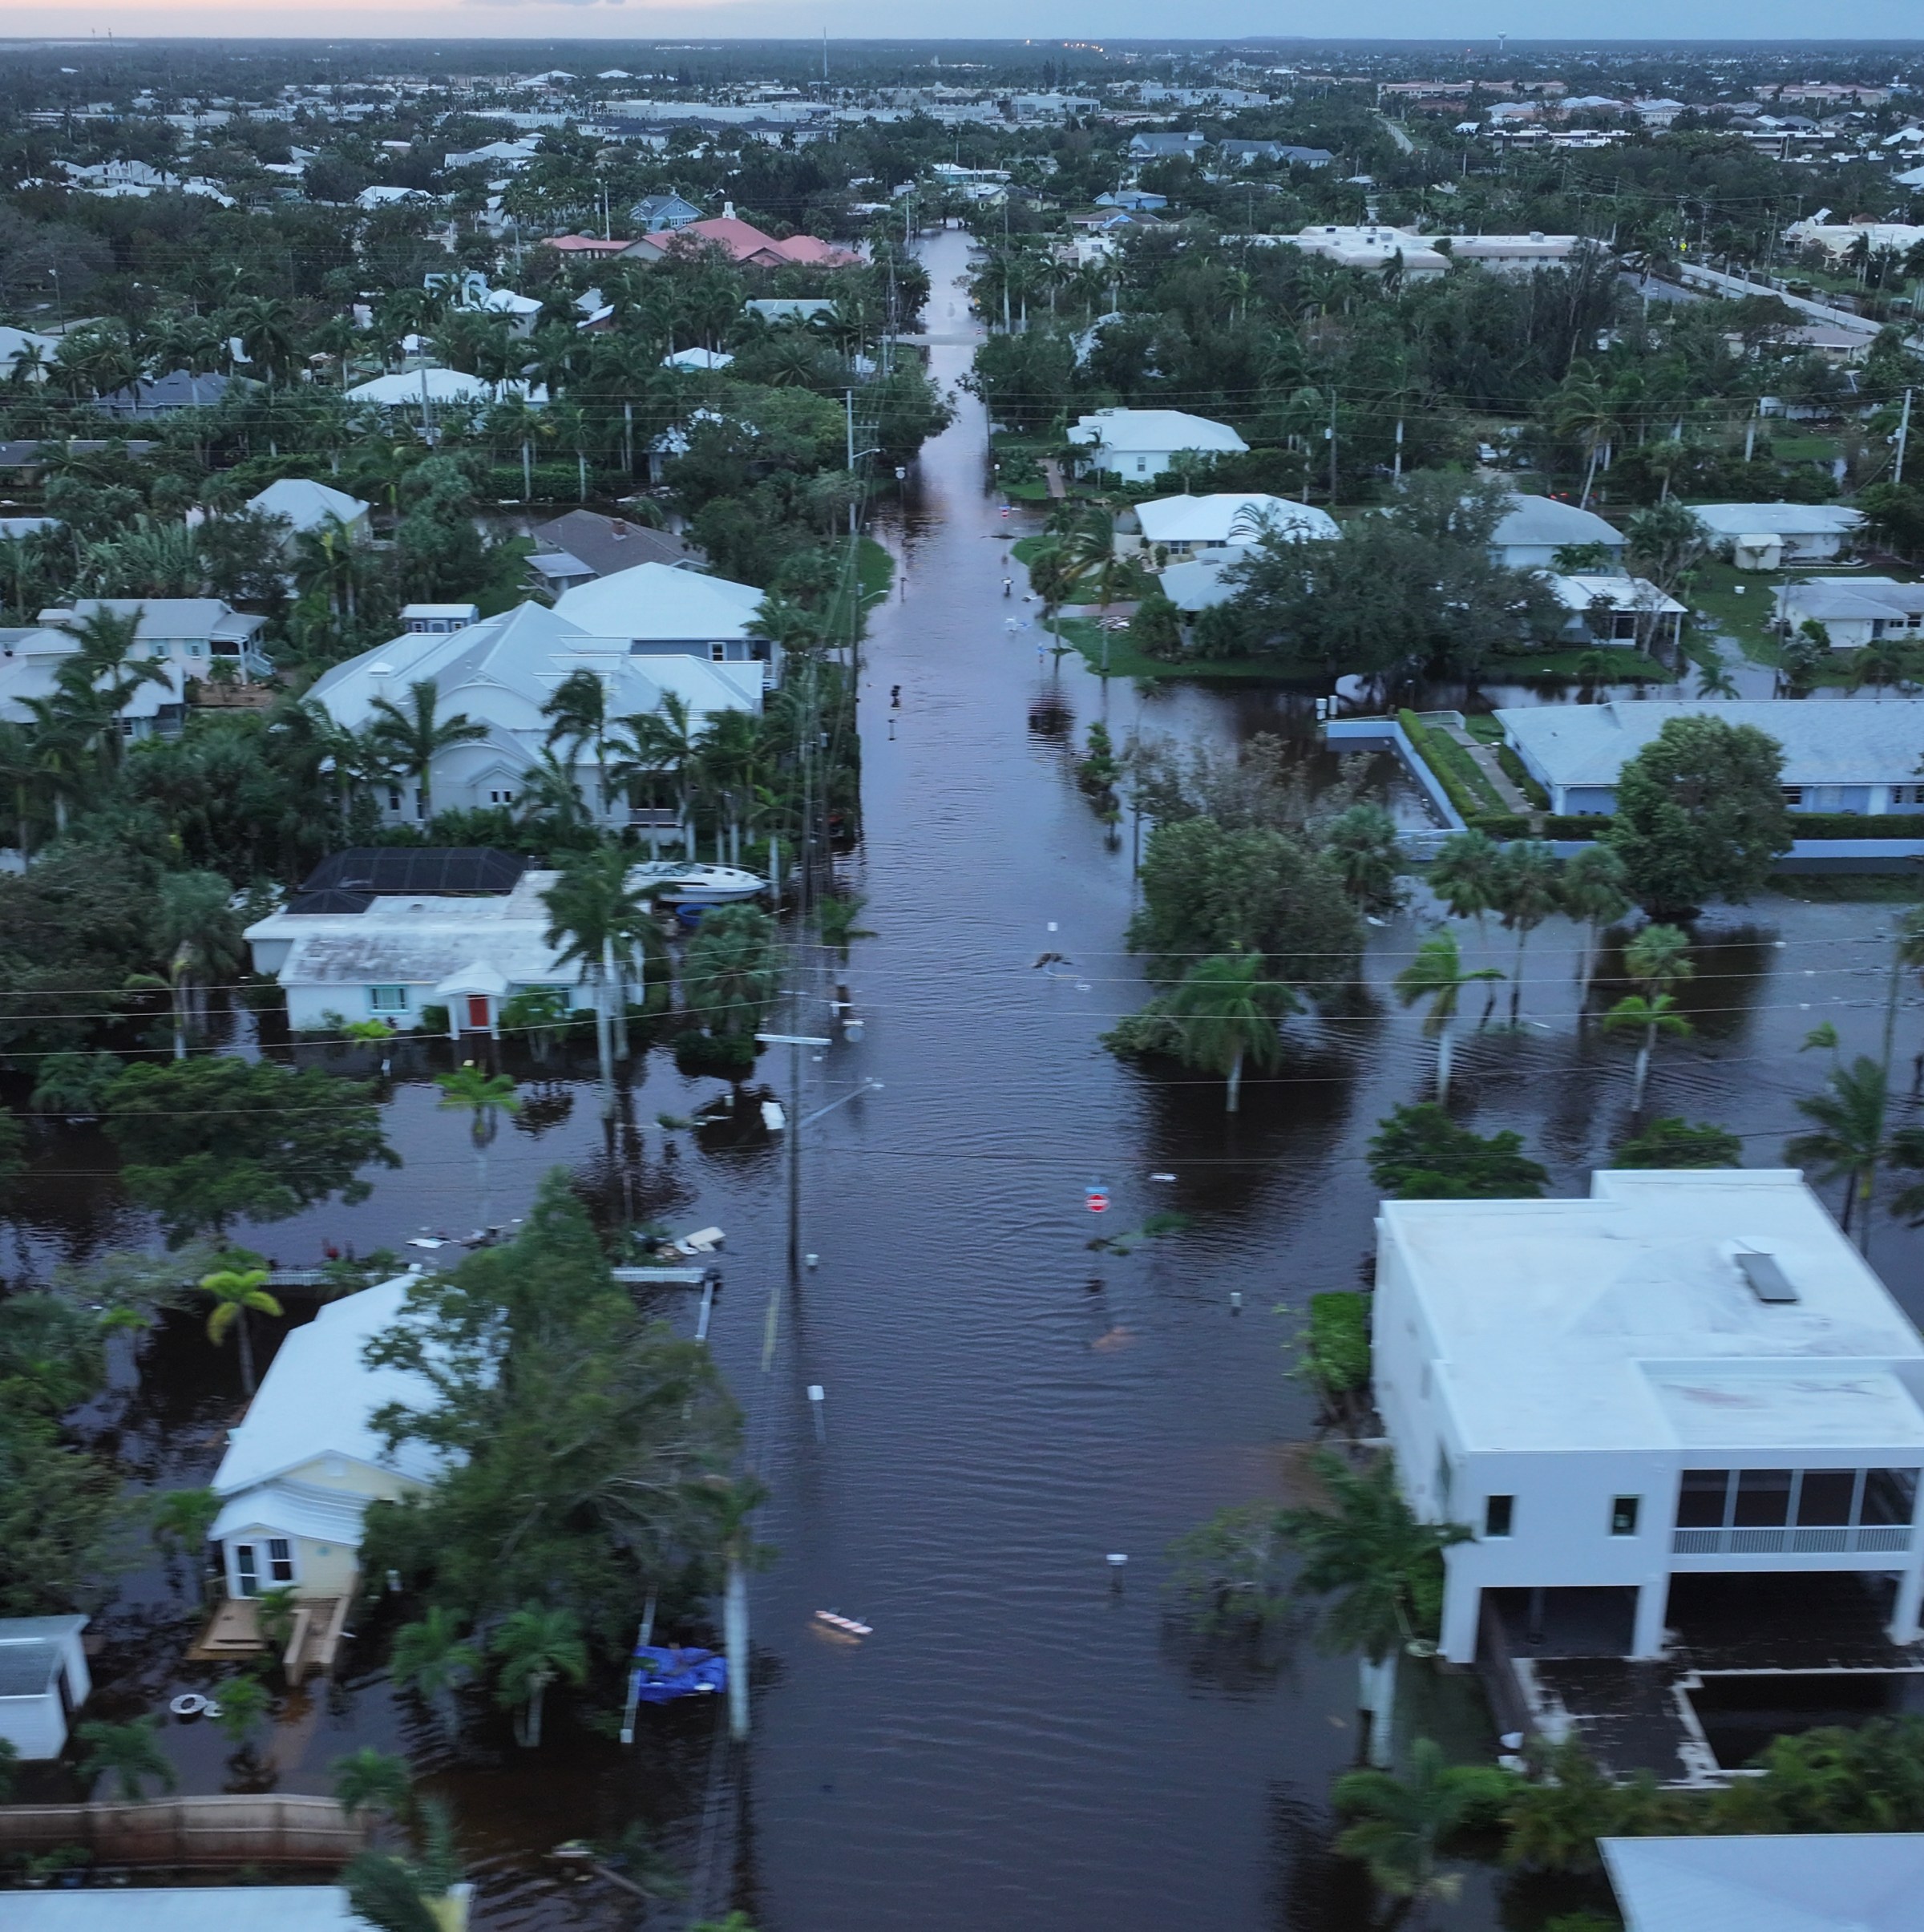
x=1689, y=1376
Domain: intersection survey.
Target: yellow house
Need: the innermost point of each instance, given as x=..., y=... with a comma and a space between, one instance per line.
x=302, y=1469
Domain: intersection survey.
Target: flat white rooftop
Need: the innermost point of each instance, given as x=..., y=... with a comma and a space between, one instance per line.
x=1625, y=1321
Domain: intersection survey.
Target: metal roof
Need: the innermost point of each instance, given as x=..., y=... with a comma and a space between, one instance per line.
x=28, y=1670
x=1827, y=1882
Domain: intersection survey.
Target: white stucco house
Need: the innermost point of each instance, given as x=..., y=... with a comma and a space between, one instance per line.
x=388, y=956
x=1838, y=756
x=43, y=1681
x=1854, y=611
x=425, y=388
x=1618, y=610
x=1534, y=528
x=306, y=1461
x=1137, y=444
x=1768, y=536
x=500, y=672
x=1179, y=527
x=1688, y=1374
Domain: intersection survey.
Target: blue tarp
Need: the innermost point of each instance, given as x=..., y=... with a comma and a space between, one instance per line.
x=661, y=1675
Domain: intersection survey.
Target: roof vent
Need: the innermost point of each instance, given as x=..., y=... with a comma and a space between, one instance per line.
x=1768, y=1281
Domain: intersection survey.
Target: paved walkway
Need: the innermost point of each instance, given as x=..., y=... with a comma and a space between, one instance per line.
x=1486, y=758
x=1052, y=474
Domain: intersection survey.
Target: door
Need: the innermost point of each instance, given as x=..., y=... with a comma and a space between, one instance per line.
x=247, y=1574
x=477, y=1011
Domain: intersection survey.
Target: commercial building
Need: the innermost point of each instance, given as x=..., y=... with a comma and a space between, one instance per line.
x=1689, y=1375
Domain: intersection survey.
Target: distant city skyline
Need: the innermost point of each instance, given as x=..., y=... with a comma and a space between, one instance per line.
x=1589, y=21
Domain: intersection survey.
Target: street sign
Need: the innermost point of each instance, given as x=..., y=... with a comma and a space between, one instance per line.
x=1096, y=1196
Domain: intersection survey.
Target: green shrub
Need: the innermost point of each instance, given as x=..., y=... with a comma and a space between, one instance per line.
x=1336, y=1355
x=1519, y=775
x=1465, y=784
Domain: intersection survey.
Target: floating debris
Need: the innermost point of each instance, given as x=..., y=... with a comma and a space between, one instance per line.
x=849, y=1627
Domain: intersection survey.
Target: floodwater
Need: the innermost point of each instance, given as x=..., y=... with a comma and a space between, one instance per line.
x=1025, y=1740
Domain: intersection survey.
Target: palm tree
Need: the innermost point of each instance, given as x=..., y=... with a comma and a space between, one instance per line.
x=431, y=1656
x=1463, y=874
x=1436, y=973
x=728, y=759
x=181, y=1520
x=598, y=922
x=1224, y=1013
x=132, y=1751
x=729, y=974
x=1368, y=1551
x=658, y=744
x=1525, y=892
x=414, y=737
x=486, y=1097
x=1402, y=1824
x=368, y=1779
x=398, y=1896
x=1594, y=888
x=200, y=934
x=1851, y=1138
x=235, y=1291
x=536, y=1646
x=577, y=717
x=1656, y=961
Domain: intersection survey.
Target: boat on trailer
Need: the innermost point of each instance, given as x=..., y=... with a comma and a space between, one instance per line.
x=675, y=884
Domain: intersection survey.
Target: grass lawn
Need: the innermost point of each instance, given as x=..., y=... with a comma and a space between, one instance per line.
x=1849, y=888
x=874, y=572
x=1125, y=661
x=1624, y=666
x=1740, y=604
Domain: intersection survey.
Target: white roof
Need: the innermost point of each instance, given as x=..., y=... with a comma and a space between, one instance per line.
x=306, y=504
x=1827, y=741
x=1197, y=584
x=501, y=671
x=287, y=1908
x=1545, y=520
x=438, y=385
x=1777, y=520
x=1824, y=598
x=319, y=1396
x=1827, y=1882
x=1623, y=1322
x=1579, y=592
x=1154, y=430
x=293, y=1509
x=1215, y=517
x=656, y=602
x=505, y=301
x=13, y=341
x=698, y=359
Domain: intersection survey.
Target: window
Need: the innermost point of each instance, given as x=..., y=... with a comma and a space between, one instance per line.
x=1763, y=1499
x=1700, y=1501
x=1624, y=1515
x=1825, y=1498
x=1793, y=795
x=1890, y=1495
x=718, y=653
x=280, y=1560
x=387, y=999
x=393, y=797
x=1498, y=1513
x=247, y=1579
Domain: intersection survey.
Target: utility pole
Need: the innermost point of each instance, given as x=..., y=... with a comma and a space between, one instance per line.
x=794, y=1042
x=1896, y=472
x=1330, y=437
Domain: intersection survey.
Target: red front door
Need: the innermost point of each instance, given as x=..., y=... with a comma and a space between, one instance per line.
x=477, y=1011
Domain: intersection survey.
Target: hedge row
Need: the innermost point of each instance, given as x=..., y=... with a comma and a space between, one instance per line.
x=1467, y=788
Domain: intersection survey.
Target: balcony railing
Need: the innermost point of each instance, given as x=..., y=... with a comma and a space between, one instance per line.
x=1811, y=1541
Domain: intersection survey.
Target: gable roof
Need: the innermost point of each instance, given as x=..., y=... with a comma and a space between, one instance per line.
x=1777, y=520
x=319, y=1396
x=1841, y=1881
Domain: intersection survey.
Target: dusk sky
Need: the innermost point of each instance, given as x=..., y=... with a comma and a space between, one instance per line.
x=643, y=19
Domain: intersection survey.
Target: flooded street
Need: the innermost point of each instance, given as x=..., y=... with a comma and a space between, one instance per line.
x=1026, y=1741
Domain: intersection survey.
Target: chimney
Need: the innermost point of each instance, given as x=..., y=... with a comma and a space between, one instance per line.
x=728, y=211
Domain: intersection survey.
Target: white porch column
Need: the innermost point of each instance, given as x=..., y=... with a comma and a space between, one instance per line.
x=1904, y=1615
x=1653, y=1602
x=1462, y=1600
